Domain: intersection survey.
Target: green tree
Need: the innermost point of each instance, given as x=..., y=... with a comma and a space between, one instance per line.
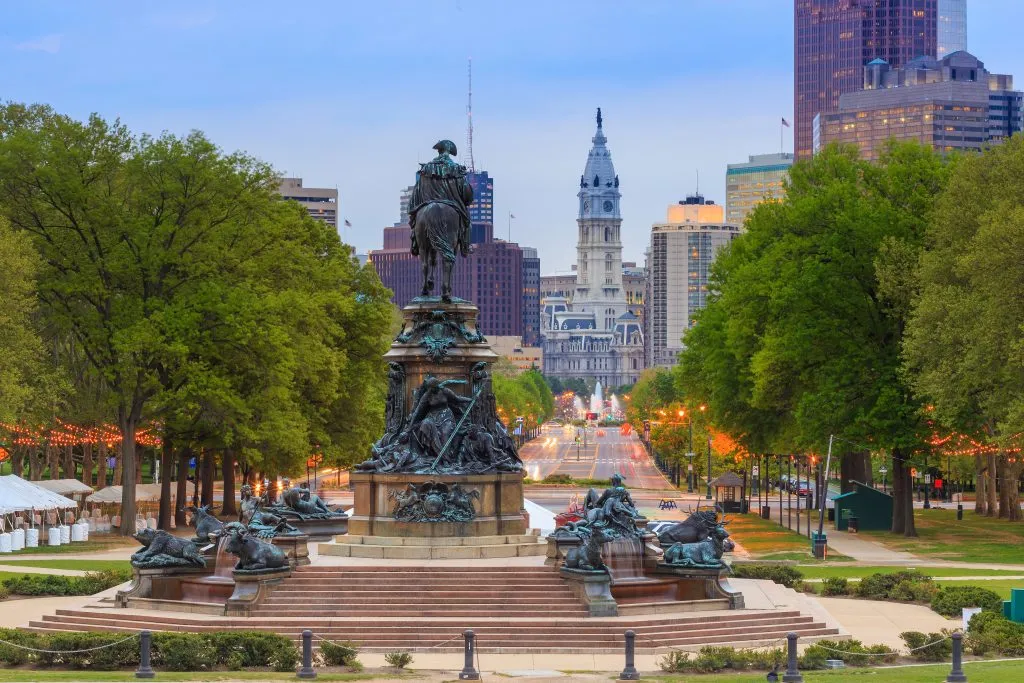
x=197, y=296
x=966, y=334
x=801, y=338
x=28, y=384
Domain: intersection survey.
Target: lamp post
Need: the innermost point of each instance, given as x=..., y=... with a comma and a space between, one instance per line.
x=883, y=471
x=708, y=497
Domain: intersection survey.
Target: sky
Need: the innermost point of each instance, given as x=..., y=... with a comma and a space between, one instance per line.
x=353, y=94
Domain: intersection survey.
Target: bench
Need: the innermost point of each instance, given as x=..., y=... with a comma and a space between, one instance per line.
x=666, y=504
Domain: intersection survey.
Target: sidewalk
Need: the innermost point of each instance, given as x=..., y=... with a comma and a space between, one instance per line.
x=867, y=552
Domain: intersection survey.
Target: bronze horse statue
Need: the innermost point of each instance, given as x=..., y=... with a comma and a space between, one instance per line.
x=439, y=218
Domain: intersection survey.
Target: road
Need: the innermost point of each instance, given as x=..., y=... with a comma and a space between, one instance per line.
x=556, y=452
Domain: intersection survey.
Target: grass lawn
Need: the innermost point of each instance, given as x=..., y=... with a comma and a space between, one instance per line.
x=1001, y=586
x=82, y=565
x=974, y=539
x=44, y=676
x=90, y=546
x=989, y=672
x=858, y=572
x=765, y=540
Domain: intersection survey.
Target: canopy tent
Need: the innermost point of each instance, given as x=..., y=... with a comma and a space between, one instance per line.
x=144, y=493
x=65, y=487
x=18, y=495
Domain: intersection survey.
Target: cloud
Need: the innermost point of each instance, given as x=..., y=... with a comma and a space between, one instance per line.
x=49, y=43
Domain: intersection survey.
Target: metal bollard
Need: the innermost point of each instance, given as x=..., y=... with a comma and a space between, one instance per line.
x=959, y=512
x=792, y=674
x=469, y=672
x=957, y=675
x=146, y=644
x=307, y=656
x=630, y=673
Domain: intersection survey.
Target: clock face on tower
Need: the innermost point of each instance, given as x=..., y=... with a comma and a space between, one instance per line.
x=586, y=207
x=608, y=205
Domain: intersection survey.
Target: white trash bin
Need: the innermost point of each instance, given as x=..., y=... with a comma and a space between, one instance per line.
x=86, y=528
x=5, y=542
x=18, y=539
x=150, y=523
x=53, y=536
x=65, y=534
x=32, y=538
x=77, y=535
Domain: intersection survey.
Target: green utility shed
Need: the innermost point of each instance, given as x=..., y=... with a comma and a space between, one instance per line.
x=871, y=507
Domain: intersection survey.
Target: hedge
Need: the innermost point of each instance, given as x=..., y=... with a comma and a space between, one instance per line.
x=852, y=652
x=779, y=573
x=171, y=651
x=950, y=600
x=928, y=647
x=712, y=659
x=906, y=586
x=992, y=633
x=58, y=584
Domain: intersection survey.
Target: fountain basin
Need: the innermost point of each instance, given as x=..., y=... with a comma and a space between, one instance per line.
x=207, y=589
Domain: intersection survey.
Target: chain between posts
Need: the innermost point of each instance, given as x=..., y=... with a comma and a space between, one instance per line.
x=68, y=652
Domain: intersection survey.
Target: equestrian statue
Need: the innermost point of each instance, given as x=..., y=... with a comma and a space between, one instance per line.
x=439, y=216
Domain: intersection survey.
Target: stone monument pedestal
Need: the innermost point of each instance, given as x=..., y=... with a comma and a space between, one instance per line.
x=497, y=499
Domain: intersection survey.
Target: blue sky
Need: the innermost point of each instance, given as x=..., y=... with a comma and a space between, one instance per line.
x=353, y=94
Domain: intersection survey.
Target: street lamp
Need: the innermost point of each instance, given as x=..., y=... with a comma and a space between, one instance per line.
x=883, y=471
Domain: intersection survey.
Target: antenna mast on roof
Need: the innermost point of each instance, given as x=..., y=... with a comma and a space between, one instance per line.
x=468, y=157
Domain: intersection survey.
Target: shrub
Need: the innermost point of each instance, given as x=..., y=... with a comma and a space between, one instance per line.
x=57, y=584
x=171, y=651
x=779, y=573
x=928, y=647
x=852, y=652
x=835, y=586
x=398, y=659
x=4, y=593
x=950, y=601
x=558, y=479
x=184, y=651
x=991, y=632
x=339, y=654
x=905, y=584
x=676, y=661
x=240, y=649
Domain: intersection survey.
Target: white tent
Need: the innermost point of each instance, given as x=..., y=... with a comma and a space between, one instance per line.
x=65, y=487
x=18, y=495
x=144, y=493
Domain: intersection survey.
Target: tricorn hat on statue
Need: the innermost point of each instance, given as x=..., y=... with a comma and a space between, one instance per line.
x=446, y=147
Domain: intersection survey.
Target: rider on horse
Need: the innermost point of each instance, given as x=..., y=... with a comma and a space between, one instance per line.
x=442, y=181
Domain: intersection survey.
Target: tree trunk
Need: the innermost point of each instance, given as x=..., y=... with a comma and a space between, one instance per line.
x=101, y=466
x=182, y=490
x=67, y=463
x=991, y=490
x=53, y=462
x=981, y=485
x=854, y=467
x=206, y=494
x=18, y=461
x=35, y=463
x=1013, y=472
x=899, y=501
x=87, y=464
x=128, y=422
x=166, y=461
x=228, y=465
x=1003, y=485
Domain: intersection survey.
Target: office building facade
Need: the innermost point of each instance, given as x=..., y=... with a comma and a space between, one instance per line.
x=492, y=277
x=761, y=178
x=320, y=202
x=682, y=250
x=952, y=30
x=834, y=39
x=952, y=104
x=481, y=211
x=595, y=336
x=531, y=296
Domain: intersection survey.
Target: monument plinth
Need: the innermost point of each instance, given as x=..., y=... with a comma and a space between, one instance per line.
x=445, y=465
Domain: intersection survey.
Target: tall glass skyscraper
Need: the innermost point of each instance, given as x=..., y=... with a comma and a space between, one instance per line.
x=834, y=39
x=481, y=211
x=952, y=27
